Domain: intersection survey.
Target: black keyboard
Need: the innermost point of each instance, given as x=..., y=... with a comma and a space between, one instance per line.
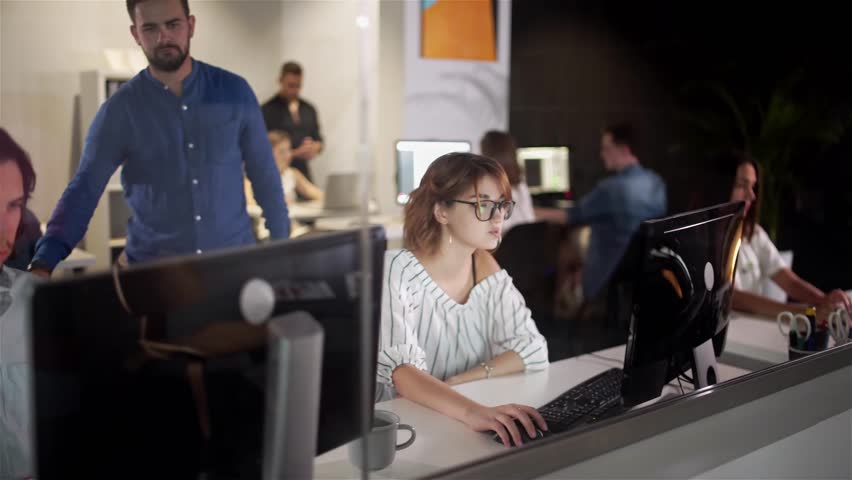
x=596, y=398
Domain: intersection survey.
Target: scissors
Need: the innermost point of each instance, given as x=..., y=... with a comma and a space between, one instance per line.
x=839, y=324
x=795, y=322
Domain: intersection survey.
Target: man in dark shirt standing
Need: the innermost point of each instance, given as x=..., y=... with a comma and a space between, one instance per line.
x=286, y=111
x=183, y=132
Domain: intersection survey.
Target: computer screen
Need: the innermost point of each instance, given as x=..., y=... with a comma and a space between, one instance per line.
x=674, y=290
x=413, y=157
x=545, y=168
x=109, y=405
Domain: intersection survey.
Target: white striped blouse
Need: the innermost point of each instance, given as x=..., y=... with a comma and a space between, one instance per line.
x=421, y=325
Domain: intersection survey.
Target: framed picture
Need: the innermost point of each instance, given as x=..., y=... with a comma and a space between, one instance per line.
x=459, y=29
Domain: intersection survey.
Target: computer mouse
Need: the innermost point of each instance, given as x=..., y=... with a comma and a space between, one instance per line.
x=525, y=437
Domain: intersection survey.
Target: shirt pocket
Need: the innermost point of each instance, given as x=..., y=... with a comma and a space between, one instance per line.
x=223, y=143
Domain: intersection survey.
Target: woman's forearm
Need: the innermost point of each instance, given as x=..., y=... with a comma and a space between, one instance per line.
x=420, y=387
x=797, y=288
x=503, y=364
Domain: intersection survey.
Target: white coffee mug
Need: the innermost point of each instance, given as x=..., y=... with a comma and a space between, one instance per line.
x=382, y=441
x=793, y=322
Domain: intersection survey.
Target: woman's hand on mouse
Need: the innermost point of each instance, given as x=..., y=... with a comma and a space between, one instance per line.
x=501, y=419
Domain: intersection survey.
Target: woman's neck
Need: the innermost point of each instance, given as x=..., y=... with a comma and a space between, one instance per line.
x=450, y=262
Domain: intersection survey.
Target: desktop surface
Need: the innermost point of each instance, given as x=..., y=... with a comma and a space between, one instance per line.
x=443, y=442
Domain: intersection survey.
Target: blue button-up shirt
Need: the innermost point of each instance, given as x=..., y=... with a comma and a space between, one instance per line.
x=614, y=210
x=182, y=162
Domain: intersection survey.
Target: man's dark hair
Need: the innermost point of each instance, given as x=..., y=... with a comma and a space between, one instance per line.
x=292, y=68
x=624, y=135
x=131, y=8
x=11, y=151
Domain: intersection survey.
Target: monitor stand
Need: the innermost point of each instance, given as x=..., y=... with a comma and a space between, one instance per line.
x=704, y=365
x=292, y=396
x=703, y=373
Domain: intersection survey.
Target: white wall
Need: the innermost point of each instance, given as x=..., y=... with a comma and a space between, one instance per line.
x=455, y=99
x=42, y=50
x=324, y=38
x=391, y=102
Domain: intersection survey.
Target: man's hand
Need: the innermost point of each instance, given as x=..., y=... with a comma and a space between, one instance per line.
x=551, y=215
x=40, y=272
x=308, y=149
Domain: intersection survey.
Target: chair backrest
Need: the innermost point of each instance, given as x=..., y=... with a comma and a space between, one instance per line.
x=529, y=254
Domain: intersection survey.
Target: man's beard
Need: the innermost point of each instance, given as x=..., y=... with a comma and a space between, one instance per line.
x=169, y=64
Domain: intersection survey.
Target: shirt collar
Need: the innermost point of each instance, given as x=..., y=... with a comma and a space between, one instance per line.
x=187, y=82
x=630, y=169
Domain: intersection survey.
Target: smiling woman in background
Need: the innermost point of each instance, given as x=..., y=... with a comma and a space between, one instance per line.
x=449, y=313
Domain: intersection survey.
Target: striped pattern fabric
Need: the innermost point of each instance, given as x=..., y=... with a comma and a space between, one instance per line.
x=421, y=325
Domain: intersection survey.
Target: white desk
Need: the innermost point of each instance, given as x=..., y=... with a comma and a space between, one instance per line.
x=393, y=226
x=756, y=338
x=314, y=210
x=443, y=442
x=333, y=219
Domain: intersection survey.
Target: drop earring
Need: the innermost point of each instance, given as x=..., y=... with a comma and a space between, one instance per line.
x=451, y=238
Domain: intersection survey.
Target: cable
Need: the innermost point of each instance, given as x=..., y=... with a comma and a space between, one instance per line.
x=681, y=386
x=155, y=349
x=620, y=362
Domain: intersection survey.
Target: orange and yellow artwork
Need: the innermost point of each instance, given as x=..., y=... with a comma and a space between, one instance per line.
x=459, y=29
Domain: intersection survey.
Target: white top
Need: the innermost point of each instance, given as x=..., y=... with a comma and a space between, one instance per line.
x=523, y=212
x=14, y=378
x=421, y=325
x=758, y=259
x=288, y=183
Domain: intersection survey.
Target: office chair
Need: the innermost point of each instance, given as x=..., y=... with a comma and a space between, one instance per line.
x=528, y=253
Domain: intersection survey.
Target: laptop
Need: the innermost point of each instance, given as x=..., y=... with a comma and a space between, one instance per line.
x=341, y=191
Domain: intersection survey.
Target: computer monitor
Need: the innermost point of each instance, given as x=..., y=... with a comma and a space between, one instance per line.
x=545, y=168
x=413, y=157
x=674, y=290
x=107, y=407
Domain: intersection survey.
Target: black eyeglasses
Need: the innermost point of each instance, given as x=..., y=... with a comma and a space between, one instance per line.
x=484, y=209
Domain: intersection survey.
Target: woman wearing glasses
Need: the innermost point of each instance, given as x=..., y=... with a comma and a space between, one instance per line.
x=449, y=313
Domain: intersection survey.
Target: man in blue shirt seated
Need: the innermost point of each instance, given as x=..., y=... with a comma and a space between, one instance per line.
x=615, y=208
x=183, y=132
